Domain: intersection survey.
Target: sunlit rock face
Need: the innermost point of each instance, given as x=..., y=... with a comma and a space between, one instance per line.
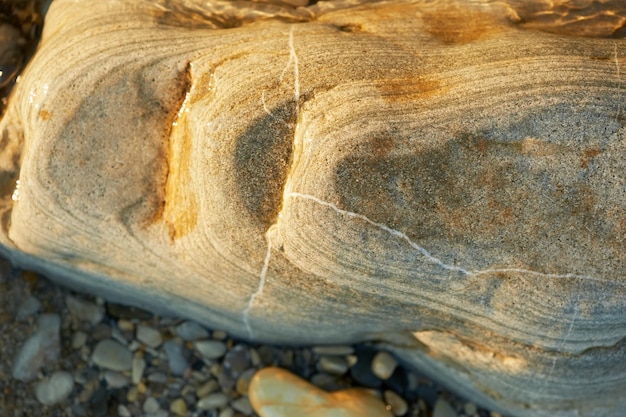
x=444, y=177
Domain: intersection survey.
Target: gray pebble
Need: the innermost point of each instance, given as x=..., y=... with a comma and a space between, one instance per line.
x=122, y=411
x=242, y=404
x=110, y=354
x=149, y=336
x=398, y=405
x=210, y=349
x=383, y=365
x=40, y=349
x=54, y=389
x=212, y=401
x=151, y=405
x=336, y=365
x=115, y=379
x=175, y=357
x=443, y=409
x=137, y=368
x=78, y=340
x=227, y=412
x=190, y=331
x=29, y=307
x=84, y=310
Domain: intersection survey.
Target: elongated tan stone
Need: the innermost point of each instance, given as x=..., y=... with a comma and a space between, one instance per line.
x=440, y=177
x=275, y=392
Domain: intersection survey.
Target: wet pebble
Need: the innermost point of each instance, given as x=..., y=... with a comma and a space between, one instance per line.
x=84, y=310
x=110, y=354
x=40, y=349
x=190, y=331
x=54, y=389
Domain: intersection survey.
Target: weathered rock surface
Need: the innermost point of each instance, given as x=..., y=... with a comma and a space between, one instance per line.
x=432, y=175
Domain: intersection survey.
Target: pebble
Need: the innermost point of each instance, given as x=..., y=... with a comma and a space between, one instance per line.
x=54, y=389
x=151, y=405
x=470, y=409
x=227, y=412
x=275, y=392
x=335, y=365
x=383, y=365
x=148, y=336
x=243, y=383
x=78, y=340
x=115, y=380
x=236, y=361
x=190, y=331
x=40, y=349
x=175, y=357
x=210, y=349
x=138, y=366
x=443, y=409
x=207, y=388
x=123, y=411
x=399, y=406
x=110, y=354
x=178, y=407
x=29, y=307
x=84, y=310
x=212, y=401
x=242, y=404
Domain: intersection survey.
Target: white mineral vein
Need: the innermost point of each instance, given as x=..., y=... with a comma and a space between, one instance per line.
x=426, y=254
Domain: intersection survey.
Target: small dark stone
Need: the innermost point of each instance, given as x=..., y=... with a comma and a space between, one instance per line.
x=98, y=402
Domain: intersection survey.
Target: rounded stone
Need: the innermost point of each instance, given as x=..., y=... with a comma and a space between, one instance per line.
x=84, y=310
x=398, y=405
x=149, y=336
x=54, y=389
x=110, y=354
x=178, y=407
x=212, y=401
x=383, y=365
x=151, y=405
x=190, y=331
x=335, y=365
x=210, y=349
x=443, y=409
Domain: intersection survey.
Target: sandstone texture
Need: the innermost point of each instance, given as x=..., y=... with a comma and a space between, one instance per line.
x=441, y=177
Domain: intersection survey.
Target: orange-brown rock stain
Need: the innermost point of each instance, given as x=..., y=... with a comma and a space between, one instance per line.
x=180, y=208
x=454, y=24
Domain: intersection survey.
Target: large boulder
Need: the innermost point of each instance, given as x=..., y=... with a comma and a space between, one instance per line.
x=439, y=177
